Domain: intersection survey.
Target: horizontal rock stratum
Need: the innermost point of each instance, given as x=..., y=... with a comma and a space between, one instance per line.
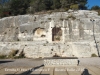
x=67, y=34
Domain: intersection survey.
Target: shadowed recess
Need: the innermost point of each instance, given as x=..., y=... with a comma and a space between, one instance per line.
x=5, y=61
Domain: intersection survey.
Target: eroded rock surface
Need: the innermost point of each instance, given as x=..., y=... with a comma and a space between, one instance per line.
x=69, y=34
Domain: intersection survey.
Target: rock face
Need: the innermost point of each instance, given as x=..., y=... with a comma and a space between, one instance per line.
x=69, y=34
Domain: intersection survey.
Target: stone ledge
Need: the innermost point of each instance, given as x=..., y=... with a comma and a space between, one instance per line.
x=58, y=61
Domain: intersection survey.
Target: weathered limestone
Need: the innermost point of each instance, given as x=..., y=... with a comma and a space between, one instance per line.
x=69, y=34
x=44, y=49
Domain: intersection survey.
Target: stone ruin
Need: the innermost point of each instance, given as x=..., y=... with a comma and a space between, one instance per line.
x=68, y=34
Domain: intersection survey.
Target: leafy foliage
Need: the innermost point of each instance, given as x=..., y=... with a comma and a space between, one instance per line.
x=96, y=8
x=56, y=4
x=2, y=56
x=74, y=7
x=20, y=7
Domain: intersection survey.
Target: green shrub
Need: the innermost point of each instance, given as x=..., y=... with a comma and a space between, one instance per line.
x=99, y=13
x=3, y=56
x=66, y=9
x=74, y=6
x=12, y=53
x=93, y=55
x=58, y=38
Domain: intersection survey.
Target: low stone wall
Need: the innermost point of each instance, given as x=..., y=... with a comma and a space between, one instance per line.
x=36, y=49
x=51, y=62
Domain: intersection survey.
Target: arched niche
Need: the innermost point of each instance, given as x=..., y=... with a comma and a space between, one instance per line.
x=39, y=32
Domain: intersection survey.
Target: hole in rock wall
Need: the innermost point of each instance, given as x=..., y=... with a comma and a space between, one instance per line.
x=56, y=34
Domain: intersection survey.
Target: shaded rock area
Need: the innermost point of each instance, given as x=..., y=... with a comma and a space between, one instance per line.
x=69, y=34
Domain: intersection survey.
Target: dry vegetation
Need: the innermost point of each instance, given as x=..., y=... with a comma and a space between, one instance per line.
x=12, y=55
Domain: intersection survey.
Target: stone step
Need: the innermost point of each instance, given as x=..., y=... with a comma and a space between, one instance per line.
x=60, y=61
x=60, y=71
x=72, y=70
x=48, y=71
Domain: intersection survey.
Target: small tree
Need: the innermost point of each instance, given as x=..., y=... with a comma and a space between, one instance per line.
x=95, y=8
x=19, y=6
x=56, y=4
x=74, y=7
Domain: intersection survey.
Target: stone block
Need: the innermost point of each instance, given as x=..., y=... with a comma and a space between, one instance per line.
x=60, y=61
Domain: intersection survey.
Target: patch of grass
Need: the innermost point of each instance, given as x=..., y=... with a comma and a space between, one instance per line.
x=93, y=55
